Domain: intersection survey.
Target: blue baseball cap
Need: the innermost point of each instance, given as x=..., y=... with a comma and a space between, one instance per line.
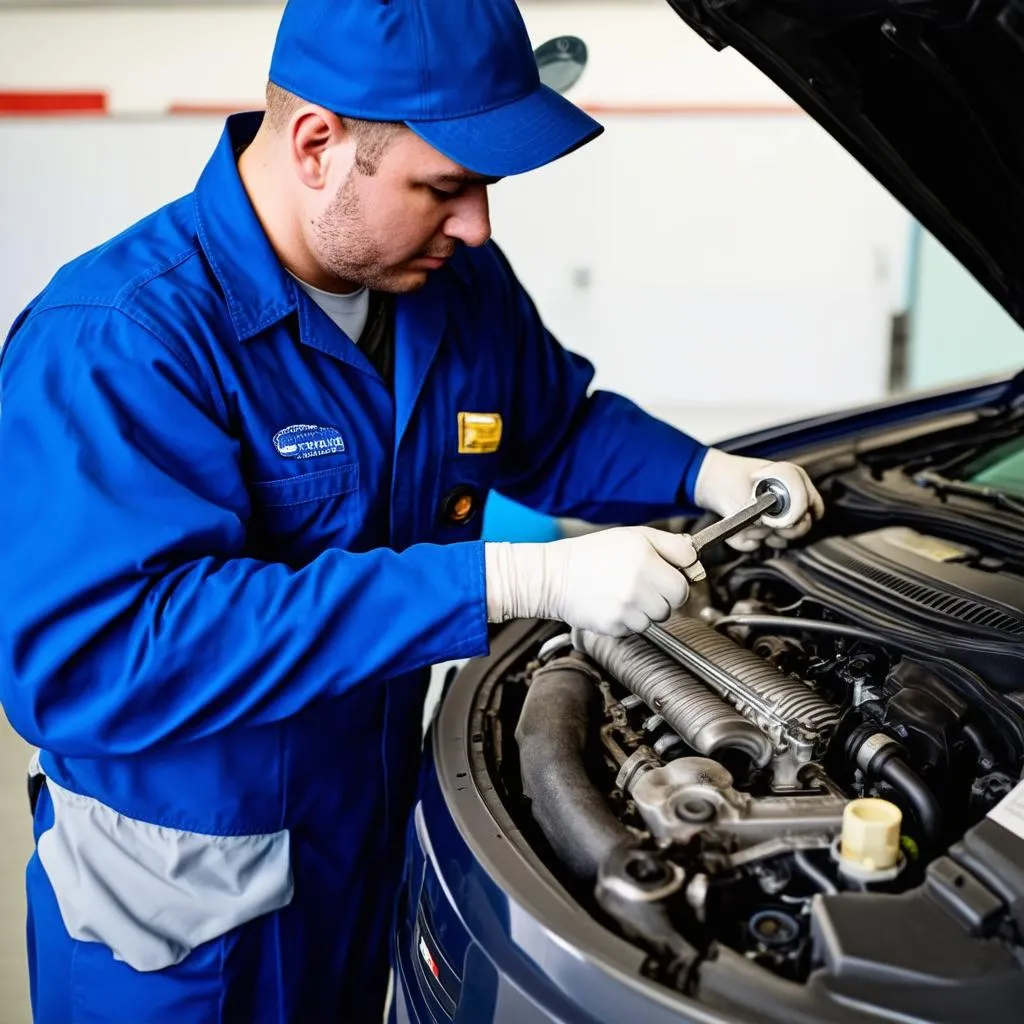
x=460, y=73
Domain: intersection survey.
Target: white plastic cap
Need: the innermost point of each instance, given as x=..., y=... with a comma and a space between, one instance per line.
x=871, y=833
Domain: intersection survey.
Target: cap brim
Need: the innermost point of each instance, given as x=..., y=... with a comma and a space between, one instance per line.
x=514, y=138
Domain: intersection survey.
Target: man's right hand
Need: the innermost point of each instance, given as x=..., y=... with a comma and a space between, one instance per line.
x=612, y=582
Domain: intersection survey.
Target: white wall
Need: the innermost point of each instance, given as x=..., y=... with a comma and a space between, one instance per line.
x=715, y=253
x=744, y=274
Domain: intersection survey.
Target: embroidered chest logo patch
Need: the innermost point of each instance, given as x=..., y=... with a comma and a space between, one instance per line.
x=307, y=441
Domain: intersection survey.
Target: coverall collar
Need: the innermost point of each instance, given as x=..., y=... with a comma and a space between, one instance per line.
x=258, y=290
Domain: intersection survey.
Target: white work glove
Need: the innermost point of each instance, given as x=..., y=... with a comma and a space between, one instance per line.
x=726, y=483
x=611, y=582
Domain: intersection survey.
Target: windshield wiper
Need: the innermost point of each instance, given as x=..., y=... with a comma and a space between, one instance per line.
x=942, y=486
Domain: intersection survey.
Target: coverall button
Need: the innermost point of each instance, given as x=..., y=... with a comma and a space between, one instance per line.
x=460, y=505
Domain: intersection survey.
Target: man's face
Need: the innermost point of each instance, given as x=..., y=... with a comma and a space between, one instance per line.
x=388, y=230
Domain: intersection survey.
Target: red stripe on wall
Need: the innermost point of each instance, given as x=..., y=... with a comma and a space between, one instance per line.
x=220, y=109
x=42, y=104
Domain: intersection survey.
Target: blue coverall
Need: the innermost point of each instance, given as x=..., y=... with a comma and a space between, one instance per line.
x=218, y=630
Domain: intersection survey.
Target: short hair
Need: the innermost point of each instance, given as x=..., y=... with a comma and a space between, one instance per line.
x=372, y=137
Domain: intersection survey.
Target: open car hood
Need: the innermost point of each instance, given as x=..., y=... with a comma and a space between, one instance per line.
x=927, y=94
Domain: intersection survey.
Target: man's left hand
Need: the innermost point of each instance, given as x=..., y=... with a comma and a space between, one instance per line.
x=726, y=484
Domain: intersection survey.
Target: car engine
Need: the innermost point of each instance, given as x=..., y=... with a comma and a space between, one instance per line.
x=690, y=788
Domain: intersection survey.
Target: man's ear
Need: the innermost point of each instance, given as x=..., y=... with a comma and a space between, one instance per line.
x=317, y=139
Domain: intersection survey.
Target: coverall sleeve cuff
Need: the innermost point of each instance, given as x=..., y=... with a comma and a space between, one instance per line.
x=470, y=636
x=688, y=483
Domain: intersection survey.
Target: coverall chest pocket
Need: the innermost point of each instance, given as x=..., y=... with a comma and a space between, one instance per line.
x=294, y=518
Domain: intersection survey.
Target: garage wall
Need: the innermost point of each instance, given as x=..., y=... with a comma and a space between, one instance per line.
x=716, y=254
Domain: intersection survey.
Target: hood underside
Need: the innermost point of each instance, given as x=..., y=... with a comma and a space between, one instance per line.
x=927, y=94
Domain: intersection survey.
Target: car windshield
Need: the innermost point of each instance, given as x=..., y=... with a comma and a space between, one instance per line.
x=1002, y=468
x=955, y=332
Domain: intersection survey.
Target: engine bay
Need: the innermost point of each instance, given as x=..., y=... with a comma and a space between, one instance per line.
x=690, y=790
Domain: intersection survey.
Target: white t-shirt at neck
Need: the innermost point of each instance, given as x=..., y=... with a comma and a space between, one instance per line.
x=349, y=312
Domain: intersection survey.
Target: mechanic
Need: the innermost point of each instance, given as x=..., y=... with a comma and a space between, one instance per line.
x=245, y=445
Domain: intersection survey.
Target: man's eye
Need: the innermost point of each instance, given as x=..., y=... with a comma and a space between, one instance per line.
x=444, y=193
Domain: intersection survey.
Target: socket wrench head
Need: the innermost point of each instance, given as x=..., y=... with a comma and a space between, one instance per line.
x=770, y=485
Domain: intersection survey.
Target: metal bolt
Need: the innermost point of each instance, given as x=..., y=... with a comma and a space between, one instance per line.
x=695, y=809
x=647, y=870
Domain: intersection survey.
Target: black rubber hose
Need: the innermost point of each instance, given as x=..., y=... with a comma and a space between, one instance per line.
x=557, y=721
x=986, y=759
x=895, y=771
x=809, y=625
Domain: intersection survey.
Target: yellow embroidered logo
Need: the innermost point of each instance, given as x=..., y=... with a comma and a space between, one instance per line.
x=479, y=432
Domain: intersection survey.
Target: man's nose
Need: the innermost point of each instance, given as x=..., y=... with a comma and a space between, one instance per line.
x=470, y=221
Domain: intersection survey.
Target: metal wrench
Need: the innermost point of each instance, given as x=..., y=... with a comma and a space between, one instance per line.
x=771, y=497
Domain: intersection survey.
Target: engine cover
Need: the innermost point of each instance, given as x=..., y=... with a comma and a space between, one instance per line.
x=935, y=597
x=919, y=575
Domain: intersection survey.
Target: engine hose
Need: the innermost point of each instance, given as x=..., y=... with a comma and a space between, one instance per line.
x=985, y=757
x=555, y=726
x=703, y=719
x=879, y=756
x=808, y=625
x=896, y=772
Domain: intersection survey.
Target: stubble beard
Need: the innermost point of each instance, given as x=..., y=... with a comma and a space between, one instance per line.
x=350, y=254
